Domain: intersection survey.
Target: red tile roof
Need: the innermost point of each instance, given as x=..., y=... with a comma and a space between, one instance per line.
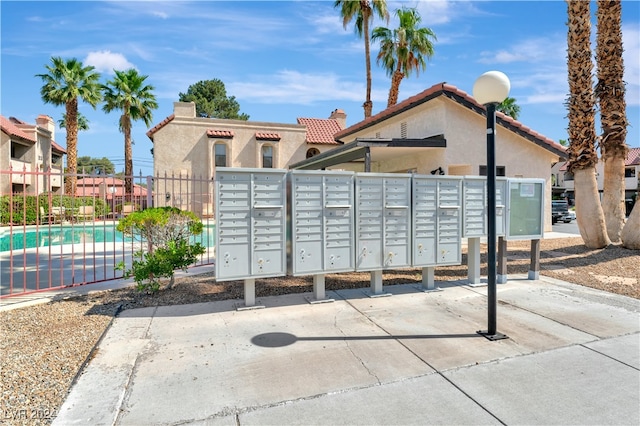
x=321, y=131
x=58, y=148
x=461, y=97
x=225, y=134
x=633, y=157
x=159, y=126
x=11, y=129
x=268, y=136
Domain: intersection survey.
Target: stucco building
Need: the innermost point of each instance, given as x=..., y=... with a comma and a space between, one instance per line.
x=31, y=149
x=440, y=130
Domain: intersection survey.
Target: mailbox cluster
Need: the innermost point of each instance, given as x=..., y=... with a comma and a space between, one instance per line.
x=273, y=222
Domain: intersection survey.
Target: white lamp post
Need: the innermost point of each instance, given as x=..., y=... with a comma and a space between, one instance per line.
x=490, y=89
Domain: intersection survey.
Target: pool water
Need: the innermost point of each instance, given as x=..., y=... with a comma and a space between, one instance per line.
x=56, y=236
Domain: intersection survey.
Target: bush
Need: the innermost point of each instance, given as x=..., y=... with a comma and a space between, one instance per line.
x=25, y=209
x=166, y=231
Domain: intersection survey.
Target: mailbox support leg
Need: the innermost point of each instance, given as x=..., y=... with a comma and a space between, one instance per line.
x=318, y=291
x=376, y=285
x=473, y=261
x=428, y=280
x=249, y=295
x=502, y=261
x=534, y=267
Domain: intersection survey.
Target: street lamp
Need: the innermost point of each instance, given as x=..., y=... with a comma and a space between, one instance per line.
x=490, y=89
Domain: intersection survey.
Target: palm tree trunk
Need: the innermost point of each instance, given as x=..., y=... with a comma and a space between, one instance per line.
x=582, y=133
x=630, y=234
x=613, y=197
x=588, y=210
x=395, y=88
x=71, y=108
x=610, y=91
x=368, y=105
x=128, y=159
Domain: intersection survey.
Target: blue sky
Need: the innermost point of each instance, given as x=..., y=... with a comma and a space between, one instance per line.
x=288, y=59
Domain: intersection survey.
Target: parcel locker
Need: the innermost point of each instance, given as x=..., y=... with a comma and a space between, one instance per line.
x=474, y=216
x=250, y=223
x=437, y=220
x=383, y=221
x=322, y=218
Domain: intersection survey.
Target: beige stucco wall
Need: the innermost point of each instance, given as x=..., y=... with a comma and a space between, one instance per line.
x=182, y=146
x=465, y=132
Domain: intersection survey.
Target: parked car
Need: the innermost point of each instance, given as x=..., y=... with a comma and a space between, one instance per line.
x=572, y=215
x=560, y=212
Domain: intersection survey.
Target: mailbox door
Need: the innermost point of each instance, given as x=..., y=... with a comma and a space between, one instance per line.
x=369, y=222
x=338, y=222
x=425, y=213
x=475, y=201
x=269, y=224
x=397, y=222
x=449, y=222
x=501, y=206
x=306, y=225
x=233, y=224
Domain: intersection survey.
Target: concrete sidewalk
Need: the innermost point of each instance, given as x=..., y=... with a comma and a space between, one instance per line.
x=572, y=357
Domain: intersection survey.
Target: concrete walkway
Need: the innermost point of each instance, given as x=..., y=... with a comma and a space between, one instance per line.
x=572, y=357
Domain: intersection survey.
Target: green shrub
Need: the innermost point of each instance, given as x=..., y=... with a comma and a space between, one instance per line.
x=166, y=230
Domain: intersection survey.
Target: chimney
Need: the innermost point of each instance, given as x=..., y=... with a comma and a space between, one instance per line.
x=184, y=109
x=46, y=122
x=340, y=116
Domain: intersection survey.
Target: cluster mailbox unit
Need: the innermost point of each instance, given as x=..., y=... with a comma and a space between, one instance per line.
x=274, y=222
x=250, y=225
x=321, y=216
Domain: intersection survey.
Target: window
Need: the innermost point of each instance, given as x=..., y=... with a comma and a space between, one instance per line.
x=267, y=157
x=500, y=171
x=220, y=151
x=629, y=172
x=568, y=176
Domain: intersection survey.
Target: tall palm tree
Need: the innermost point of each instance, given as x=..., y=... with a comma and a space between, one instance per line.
x=404, y=49
x=582, y=132
x=610, y=91
x=127, y=92
x=65, y=83
x=363, y=12
x=510, y=108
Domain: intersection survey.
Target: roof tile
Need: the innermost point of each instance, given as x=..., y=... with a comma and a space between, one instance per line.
x=321, y=131
x=225, y=134
x=268, y=136
x=11, y=129
x=159, y=126
x=633, y=157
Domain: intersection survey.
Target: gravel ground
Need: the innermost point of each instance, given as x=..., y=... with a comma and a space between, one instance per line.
x=43, y=347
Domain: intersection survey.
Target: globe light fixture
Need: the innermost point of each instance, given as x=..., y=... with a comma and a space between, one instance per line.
x=490, y=89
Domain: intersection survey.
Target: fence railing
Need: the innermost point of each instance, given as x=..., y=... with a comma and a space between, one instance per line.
x=51, y=240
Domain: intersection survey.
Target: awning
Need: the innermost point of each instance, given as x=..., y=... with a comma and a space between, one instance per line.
x=369, y=150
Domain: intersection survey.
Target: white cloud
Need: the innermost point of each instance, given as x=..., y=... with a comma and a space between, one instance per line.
x=530, y=50
x=107, y=61
x=298, y=88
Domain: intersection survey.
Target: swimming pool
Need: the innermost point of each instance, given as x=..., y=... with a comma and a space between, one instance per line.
x=45, y=236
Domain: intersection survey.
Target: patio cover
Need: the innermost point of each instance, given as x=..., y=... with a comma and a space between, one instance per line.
x=369, y=150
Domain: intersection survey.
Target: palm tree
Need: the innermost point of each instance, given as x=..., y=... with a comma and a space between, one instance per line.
x=610, y=91
x=65, y=83
x=582, y=133
x=127, y=92
x=404, y=49
x=363, y=11
x=510, y=108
